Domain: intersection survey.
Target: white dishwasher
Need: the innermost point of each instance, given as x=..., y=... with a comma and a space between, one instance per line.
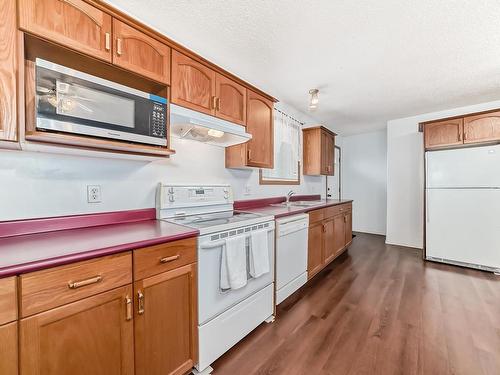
x=291, y=254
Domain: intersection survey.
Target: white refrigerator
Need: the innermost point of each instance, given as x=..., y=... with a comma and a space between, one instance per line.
x=463, y=207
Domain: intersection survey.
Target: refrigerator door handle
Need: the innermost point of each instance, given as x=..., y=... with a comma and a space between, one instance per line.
x=427, y=216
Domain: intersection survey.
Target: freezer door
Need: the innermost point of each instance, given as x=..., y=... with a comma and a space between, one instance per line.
x=466, y=167
x=463, y=225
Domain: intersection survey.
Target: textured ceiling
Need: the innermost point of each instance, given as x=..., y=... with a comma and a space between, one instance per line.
x=372, y=60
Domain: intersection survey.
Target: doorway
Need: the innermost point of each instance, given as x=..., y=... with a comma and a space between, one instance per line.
x=334, y=183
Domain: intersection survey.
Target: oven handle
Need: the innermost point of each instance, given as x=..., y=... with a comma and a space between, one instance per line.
x=215, y=244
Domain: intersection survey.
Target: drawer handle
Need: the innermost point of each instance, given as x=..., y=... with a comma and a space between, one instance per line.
x=128, y=303
x=108, y=41
x=140, y=303
x=119, y=46
x=169, y=259
x=81, y=283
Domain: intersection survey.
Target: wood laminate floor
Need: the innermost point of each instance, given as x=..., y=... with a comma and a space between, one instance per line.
x=379, y=309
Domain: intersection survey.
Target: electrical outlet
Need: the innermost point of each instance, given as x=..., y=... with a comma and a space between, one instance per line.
x=93, y=193
x=248, y=190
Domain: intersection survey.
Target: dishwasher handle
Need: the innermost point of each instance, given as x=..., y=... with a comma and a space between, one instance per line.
x=291, y=227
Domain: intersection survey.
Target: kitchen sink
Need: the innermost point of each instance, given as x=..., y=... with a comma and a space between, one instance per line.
x=306, y=203
x=297, y=204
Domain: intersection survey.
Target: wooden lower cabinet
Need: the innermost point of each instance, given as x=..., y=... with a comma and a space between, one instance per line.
x=8, y=349
x=348, y=227
x=166, y=322
x=92, y=336
x=330, y=233
x=315, y=249
x=339, y=235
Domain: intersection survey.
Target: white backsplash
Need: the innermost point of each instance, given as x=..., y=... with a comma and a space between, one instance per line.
x=42, y=185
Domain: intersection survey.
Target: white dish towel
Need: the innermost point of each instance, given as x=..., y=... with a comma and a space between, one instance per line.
x=233, y=267
x=259, y=254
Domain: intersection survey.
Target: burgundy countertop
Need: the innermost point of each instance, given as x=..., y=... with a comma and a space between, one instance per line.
x=277, y=212
x=31, y=252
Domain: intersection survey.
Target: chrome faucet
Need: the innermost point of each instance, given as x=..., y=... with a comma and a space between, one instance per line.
x=288, y=196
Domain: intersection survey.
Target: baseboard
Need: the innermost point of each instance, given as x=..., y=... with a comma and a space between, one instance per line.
x=369, y=232
x=412, y=247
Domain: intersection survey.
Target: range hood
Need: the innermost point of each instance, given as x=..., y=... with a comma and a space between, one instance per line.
x=188, y=124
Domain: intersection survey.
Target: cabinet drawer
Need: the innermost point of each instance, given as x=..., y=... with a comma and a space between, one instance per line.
x=160, y=258
x=8, y=300
x=43, y=290
x=316, y=215
x=336, y=210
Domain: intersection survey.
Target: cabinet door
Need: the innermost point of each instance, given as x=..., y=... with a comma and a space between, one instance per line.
x=328, y=240
x=315, y=249
x=193, y=84
x=8, y=117
x=166, y=322
x=73, y=23
x=231, y=100
x=338, y=233
x=260, y=149
x=482, y=128
x=348, y=227
x=444, y=133
x=91, y=336
x=140, y=53
x=329, y=149
x=8, y=349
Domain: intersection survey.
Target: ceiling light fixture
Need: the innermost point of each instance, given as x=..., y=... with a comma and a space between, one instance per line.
x=314, y=100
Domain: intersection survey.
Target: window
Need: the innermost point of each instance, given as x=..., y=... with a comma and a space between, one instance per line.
x=286, y=152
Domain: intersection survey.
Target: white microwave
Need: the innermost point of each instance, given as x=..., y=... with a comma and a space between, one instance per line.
x=71, y=101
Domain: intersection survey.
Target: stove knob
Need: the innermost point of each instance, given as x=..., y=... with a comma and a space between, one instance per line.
x=170, y=198
x=171, y=190
x=226, y=195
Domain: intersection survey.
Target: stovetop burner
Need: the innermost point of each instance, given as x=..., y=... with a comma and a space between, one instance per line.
x=215, y=219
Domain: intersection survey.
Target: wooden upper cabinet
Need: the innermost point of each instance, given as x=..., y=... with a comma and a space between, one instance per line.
x=140, y=53
x=8, y=61
x=73, y=23
x=259, y=151
x=318, y=151
x=443, y=133
x=260, y=123
x=193, y=84
x=327, y=153
x=166, y=322
x=90, y=336
x=482, y=128
x=231, y=102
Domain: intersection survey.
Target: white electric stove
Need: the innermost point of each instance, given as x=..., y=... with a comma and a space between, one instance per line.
x=224, y=316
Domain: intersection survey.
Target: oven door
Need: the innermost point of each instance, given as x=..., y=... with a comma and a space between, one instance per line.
x=75, y=102
x=212, y=301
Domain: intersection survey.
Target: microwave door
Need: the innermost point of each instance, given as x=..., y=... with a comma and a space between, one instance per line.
x=94, y=105
x=74, y=102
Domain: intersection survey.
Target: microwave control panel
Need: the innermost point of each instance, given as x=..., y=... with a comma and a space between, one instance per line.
x=159, y=120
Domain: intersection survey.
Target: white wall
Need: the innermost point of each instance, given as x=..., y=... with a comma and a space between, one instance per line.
x=43, y=185
x=405, y=174
x=364, y=179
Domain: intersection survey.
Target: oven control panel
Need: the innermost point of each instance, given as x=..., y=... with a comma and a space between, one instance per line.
x=174, y=199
